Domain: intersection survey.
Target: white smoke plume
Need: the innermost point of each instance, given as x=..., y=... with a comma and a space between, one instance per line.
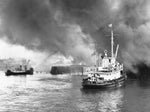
x=72, y=28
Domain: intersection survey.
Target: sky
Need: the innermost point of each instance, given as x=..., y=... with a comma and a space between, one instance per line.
x=70, y=31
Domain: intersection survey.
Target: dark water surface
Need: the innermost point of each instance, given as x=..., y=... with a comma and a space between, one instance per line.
x=64, y=93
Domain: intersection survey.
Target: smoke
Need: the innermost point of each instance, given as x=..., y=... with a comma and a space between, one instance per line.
x=72, y=27
x=41, y=26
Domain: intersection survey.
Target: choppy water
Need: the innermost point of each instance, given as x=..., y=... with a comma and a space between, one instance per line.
x=64, y=93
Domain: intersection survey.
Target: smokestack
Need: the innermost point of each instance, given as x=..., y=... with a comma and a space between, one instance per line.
x=116, y=51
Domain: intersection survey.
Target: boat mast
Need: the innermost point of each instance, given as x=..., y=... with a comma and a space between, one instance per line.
x=112, y=41
x=95, y=57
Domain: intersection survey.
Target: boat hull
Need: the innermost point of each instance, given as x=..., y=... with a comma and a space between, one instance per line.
x=114, y=83
x=27, y=72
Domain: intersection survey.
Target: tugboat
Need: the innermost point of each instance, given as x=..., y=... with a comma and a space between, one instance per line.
x=108, y=72
x=21, y=70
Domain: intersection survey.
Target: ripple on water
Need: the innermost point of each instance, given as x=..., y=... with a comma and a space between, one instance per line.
x=59, y=85
x=86, y=106
x=46, y=93
x=110, y=101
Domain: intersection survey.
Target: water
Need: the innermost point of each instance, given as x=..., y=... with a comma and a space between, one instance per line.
x=64, y=93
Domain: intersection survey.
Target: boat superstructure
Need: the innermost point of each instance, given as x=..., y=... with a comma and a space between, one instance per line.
x=107, y=72
x=22, y=69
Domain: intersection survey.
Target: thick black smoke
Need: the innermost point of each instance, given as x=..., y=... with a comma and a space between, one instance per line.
x=70, y=27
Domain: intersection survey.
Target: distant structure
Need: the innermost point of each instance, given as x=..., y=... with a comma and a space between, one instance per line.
x=55, y=70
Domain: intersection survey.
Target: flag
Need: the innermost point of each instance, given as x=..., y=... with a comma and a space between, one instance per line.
x=110, y=25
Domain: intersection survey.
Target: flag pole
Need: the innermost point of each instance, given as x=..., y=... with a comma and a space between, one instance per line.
x=112, y=41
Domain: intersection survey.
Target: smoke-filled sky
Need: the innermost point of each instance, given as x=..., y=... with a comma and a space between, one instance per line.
x=71, y=28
